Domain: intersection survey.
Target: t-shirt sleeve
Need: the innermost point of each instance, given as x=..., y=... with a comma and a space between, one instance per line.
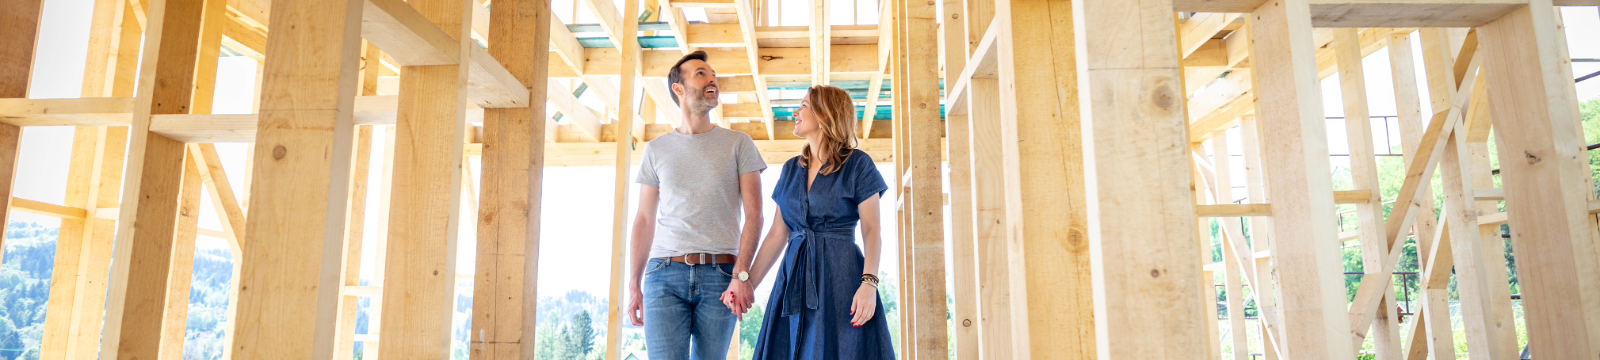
x=868, y=180
x=748, y=157
x=647, y=170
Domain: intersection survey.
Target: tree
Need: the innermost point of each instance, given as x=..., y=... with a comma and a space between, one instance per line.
x=581, y=339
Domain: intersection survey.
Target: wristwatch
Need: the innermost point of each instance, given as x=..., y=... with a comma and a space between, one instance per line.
x=744, y=276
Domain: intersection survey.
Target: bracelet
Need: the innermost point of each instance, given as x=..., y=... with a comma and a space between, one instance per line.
x=869, y=282
x=874, y=278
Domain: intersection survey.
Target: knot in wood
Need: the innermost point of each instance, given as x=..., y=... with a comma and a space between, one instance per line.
x=1155, y=273
x=1532, y=159
x=770, y=57
x=966, y=322
x=278, y=152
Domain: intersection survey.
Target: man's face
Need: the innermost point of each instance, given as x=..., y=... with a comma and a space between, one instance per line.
x=699, y=91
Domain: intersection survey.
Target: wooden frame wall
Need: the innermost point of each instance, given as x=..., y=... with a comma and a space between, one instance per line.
x=1050, y=175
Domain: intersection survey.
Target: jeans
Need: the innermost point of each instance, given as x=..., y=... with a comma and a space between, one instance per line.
x=684, y=318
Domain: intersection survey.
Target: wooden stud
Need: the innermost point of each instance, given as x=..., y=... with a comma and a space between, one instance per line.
x=225, y=201
x=1050, y=246
x=136, y=302
x=964, y=291
x=1260, y=239
x=1364, y=174
x=420, y=279
x=504, y=292
x=348, y=308
x=1494, y=253
x=926, y=202
x=1545, y=175
x=821, y=41
x=83, y=248
x=1300, y=186
x=619, y=224
x=292, y=277
x=1233, y=266
x=989, y=219
x=21, y=24
x=181, y=273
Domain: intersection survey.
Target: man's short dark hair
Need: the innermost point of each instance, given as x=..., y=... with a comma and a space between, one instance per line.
x=675, y=75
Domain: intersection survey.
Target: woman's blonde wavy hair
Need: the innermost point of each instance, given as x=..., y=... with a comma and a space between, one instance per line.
x=836, y=118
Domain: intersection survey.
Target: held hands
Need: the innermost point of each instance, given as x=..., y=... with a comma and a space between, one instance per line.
x=864, y=306
x=739, y=297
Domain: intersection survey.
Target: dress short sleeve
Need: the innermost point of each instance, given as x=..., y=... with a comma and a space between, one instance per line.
x=868, y=181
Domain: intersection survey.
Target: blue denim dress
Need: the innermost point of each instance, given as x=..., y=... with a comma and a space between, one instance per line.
x=808, y=314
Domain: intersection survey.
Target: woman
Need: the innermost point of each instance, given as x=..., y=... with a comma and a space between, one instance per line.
x=825, y=304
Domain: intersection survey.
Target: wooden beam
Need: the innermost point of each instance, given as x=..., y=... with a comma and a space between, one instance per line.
x=297, y=220
x=419, y=283
x=348, y=307
x=225, y=201
x=1401, y=216
x=504, y=290
x=1364, y=173
x=97, y=111
x=989, y=219
x=926, y=200
x=1233, y=210
x=821, y=41
x=406, y=34
x=1271, y=333
x=1300, y=187
x=1127, y=90
x=181, y=273
x=747, y=26
x=83, y=248
x=624, y=148
x=1531, y=100
x=151, y=189
x=964, y=290
x=713, y=35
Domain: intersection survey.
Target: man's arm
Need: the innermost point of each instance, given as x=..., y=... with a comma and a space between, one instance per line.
x=750, y=197
x=644, y=233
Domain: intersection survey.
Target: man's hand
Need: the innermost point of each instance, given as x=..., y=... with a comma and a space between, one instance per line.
x=635, y=306
x=738, y=297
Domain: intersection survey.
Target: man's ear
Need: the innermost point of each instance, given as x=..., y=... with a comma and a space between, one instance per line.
x=677, y=88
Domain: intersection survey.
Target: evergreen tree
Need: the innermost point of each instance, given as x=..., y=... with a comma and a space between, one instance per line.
x=581, y=339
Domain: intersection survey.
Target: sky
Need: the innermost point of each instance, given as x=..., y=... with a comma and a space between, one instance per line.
x=575, y=228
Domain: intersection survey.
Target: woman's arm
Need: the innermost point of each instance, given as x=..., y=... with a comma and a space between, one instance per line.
x=777, y=239
x=865, y=303
x=871, y=242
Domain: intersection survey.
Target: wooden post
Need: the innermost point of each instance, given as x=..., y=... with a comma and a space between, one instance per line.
x=505, y=298
x=1438, y=61
x=292, y=280
x=226, y=202
x=1048, y=222
x=21, y=26
x=352, y=259
x=958, y=131
x=176, y=317
x=989, y=219
x=629, y=48
x=1260, y=239
x=1364, y=175
x=909, y=306
x=1545, y=172
x=1300, y=186
x=147, y=224
x=1233, y=267
x=926, y=203
x=420, y=276
x=83, y=247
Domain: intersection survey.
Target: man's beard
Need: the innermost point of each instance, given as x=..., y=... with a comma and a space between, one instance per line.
x=700, y=103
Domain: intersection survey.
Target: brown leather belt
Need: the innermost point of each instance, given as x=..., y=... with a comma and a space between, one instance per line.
x=702, y=259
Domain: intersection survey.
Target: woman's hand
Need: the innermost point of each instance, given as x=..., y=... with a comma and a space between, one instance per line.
x=864, y=306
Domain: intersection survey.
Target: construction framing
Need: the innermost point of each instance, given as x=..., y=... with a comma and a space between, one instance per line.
x=1079, y=149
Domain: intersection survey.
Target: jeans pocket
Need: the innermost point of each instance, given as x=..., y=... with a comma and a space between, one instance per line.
x=727, y=273
x=654, y=266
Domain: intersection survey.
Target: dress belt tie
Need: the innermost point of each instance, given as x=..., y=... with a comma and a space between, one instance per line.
x=806, y=266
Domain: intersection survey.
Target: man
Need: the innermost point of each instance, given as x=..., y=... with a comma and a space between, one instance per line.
x=699, y=177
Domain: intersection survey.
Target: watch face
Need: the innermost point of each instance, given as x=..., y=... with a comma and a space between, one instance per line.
x=743, y=276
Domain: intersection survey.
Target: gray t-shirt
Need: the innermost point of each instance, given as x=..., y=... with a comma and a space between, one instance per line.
x=698, y=175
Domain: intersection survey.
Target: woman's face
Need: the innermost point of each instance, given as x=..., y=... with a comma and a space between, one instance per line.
x=805, y=120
